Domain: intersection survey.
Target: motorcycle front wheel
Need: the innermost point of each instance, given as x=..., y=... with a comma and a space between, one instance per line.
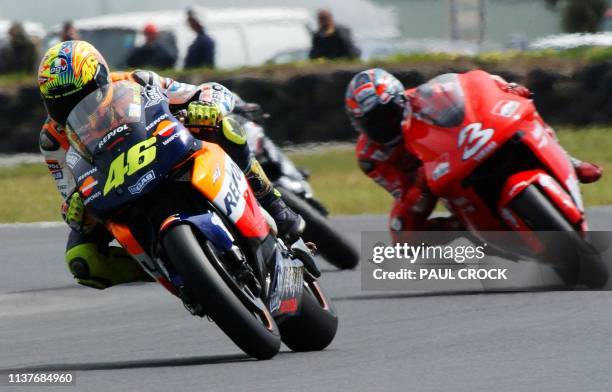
x=231, y=305
x=574, y=259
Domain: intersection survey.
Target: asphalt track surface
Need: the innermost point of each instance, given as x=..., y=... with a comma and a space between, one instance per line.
x=139, y=338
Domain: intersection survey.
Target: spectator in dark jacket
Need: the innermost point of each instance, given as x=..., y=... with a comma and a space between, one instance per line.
x=69, y=32
x=201, y=52
x=332, y=41
x=19, y=54
x=153, y=53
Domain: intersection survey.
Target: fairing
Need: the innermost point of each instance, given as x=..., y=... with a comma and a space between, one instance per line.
x=469, y=120
x=128, y=159
x=224, y=184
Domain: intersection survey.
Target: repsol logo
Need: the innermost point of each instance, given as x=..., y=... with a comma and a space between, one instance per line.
x=87, y=173
x=53, y=166
x=233, y=194
x=156, y=121
x=112, y=134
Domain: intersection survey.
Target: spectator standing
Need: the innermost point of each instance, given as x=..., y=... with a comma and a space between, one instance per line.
x=201, y=52
x=332, y=41
x=69, y=32
x=153, y=53
x=19, y=54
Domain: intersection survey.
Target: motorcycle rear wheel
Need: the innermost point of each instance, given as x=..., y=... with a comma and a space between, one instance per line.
x=576, y=262
x=314, y=328
x=333, y=246
x=243, y=317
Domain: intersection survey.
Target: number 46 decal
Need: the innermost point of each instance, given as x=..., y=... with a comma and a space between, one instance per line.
x=473, y=137
x=139, y=156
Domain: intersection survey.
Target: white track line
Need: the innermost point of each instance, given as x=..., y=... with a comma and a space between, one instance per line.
x=41, y=225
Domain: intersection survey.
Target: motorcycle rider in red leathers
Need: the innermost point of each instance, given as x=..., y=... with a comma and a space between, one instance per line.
x=69, y=72
x=381, y=110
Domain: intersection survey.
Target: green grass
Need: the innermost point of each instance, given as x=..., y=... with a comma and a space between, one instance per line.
x=594, y=145
x=28, y=193
x=339, y=183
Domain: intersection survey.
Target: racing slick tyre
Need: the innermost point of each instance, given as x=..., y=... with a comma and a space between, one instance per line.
x=315, y=326
x=333, y=246
x=574, y=259
x=231, y=305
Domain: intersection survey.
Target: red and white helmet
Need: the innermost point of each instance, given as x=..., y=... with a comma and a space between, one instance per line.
x=376, y=105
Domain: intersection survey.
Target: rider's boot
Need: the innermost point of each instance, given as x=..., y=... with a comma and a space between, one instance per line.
x=585, y=171
x=290, y=225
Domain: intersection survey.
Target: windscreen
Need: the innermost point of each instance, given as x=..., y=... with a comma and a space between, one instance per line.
x=440, y=101
x=102, y=114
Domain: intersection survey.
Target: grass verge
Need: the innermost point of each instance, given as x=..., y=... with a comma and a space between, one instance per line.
x=28, y=193
x=546, y=59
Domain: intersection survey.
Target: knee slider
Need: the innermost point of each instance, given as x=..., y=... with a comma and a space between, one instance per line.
x=79, y=268
x=396, y=224
x=81, y=260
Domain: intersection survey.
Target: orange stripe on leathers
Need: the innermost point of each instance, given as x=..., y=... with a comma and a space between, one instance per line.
x=60, y=137
x=121, y=75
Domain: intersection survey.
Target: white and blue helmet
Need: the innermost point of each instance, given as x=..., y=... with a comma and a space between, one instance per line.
x=376, y=105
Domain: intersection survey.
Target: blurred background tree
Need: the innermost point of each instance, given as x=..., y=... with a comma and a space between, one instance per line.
x=580, y=16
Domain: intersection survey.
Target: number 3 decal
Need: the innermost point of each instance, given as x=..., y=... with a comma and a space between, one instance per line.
x=473, y=137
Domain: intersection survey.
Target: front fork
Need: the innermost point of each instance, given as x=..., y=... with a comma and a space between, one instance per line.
x=559, y=197
x=280, y=268
x=570, y=207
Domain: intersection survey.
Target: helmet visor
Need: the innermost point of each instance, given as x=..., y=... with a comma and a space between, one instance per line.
x=101, y=112
x=383, y=123
x=66, y=97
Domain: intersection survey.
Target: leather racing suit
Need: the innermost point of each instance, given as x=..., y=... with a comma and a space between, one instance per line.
x=89, y=257
x=401, y=174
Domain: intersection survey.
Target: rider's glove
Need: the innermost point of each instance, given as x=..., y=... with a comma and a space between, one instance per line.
x=204, y=114
x=73, y=212
x=210, y=116
x=518, y=89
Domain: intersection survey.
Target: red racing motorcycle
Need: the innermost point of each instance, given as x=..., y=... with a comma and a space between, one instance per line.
x=498, y=167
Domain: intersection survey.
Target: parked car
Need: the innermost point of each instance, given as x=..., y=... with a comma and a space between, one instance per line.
x=386, y=47
x=243, y=36
x=571, y=41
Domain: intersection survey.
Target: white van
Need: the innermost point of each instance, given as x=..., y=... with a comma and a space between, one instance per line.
x=242, y=36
